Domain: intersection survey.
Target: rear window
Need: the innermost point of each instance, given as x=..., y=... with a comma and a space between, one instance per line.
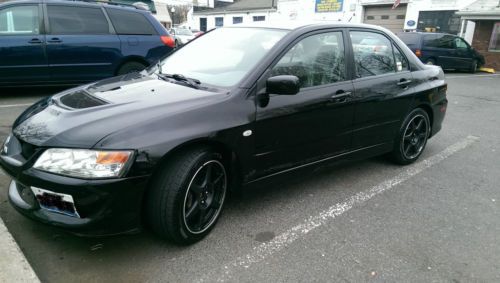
x=77, y=20
x=128, y=22
x=410, y=39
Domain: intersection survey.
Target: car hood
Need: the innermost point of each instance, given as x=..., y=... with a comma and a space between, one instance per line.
x=82, y=116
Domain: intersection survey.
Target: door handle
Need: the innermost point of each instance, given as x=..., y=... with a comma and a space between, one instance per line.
x=404, y=83
x=340, y=96
x=54, y=40
x=35, y=41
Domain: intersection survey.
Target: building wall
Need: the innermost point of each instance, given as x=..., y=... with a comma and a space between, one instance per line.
x=194, y=22
x=481, y=41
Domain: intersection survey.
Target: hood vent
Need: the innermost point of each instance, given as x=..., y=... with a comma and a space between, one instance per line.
x=81, y=99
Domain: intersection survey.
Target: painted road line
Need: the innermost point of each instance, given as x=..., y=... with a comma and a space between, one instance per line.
x=13, y=265
x=285, y=239
x=15, y=105
x=471, y=76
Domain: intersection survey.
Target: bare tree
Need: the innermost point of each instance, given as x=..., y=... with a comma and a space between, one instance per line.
x=180, y=14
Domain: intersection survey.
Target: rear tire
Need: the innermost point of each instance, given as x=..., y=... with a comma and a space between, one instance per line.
x=430, y=62
x=412, y=137
x=187, y=196
x=130, y=67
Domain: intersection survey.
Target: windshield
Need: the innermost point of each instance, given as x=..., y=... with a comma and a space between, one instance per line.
x=224, y=56
x=183, y=31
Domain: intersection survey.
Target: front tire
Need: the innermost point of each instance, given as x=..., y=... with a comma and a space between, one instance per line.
x=412, y=137
x=187, y=196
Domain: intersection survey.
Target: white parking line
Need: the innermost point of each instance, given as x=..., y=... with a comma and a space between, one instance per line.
x=15, y=105
x=471, y=76
x=285, y=239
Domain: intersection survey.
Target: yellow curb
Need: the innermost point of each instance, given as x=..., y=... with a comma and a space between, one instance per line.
x=487, y=70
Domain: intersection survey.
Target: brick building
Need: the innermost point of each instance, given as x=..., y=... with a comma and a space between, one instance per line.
x=482, y=18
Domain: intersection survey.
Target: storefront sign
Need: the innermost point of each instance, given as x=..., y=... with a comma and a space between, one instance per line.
x=323, y=6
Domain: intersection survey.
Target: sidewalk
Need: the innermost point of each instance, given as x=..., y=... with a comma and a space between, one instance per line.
x=13, y=265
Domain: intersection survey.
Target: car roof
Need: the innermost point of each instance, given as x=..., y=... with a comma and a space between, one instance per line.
x=292, y=25
x=79, y=3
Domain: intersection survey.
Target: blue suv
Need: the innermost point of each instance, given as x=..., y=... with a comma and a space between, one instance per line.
x=44, y=42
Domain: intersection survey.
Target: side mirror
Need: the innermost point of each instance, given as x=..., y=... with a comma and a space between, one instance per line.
x=283, y=85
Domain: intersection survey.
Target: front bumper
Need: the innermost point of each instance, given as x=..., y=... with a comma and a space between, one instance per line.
x=105, y=207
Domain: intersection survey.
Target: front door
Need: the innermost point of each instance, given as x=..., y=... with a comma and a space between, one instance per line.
x=22, y=45
x=463, y=54
x=203, y=24
x=80, y=46
x=315, y=123
x=383, y=88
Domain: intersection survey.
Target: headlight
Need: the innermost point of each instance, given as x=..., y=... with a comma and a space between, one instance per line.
x=83, y=163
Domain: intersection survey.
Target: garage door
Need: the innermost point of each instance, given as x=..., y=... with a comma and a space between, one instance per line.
x=385, y=16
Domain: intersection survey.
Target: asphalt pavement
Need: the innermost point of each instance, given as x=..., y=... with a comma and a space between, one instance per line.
x=434, y=221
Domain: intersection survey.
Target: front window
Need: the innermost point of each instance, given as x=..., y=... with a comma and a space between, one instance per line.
x=495, y=38
x=19, y=20
x=224, y=56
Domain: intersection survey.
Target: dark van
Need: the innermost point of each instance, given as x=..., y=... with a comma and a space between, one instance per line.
x=446, y=50
x=45, y=42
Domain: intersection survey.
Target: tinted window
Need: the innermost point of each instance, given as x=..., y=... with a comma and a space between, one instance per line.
x=401, y=62
x=411, y=39
x=77, y=20
x=372, y=54
x=19, y=20
x=259, y=18
x=439, y=41
x=128, y=22
x=315, y=60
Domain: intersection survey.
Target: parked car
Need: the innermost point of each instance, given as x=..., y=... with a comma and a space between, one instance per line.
x=445, y=50
x=71, y=42
x=167, y=144
x=196, y=32
x=182, y=35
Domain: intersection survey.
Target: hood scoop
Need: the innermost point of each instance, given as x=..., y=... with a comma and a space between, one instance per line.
x=81, y=99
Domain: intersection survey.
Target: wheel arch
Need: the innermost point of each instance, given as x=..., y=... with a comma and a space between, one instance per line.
x=131, y=58
x=428, y=109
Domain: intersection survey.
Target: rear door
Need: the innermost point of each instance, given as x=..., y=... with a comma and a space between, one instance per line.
x=81, y=45
x=383, y=88
x=138, y=36
x=22, y=45
x=442, y=48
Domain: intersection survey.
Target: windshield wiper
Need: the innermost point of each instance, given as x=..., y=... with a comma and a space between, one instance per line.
x=180, y=78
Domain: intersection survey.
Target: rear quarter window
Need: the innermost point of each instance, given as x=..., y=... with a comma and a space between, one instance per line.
x=129, y=22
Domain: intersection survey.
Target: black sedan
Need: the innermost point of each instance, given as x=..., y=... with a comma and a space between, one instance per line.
x=165, y=146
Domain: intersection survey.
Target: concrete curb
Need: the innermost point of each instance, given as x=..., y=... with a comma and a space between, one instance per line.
x=13, y=265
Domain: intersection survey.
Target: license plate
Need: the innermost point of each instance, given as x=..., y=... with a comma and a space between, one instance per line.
x=56, y=202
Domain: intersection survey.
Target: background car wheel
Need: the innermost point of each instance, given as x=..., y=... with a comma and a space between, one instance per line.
x=473, y=67
x=130, y=67
x=187, y=196
x=177, y=43
x=430, y=62
x=412, y=137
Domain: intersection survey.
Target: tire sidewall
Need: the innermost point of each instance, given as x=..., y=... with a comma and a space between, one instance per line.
x=398, y=149
x=186, y=235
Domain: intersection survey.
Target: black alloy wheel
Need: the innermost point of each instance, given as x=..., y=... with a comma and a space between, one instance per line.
x=412, y=138
x=187, y=195
x=204, y=197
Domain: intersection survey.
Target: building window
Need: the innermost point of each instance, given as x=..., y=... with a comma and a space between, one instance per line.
x=439, y=21
x=237, y=20
x=400, y=17
x=384, y=17
x=259, y=18
x=495, y=38
x=219, y=21
x=370, y=17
